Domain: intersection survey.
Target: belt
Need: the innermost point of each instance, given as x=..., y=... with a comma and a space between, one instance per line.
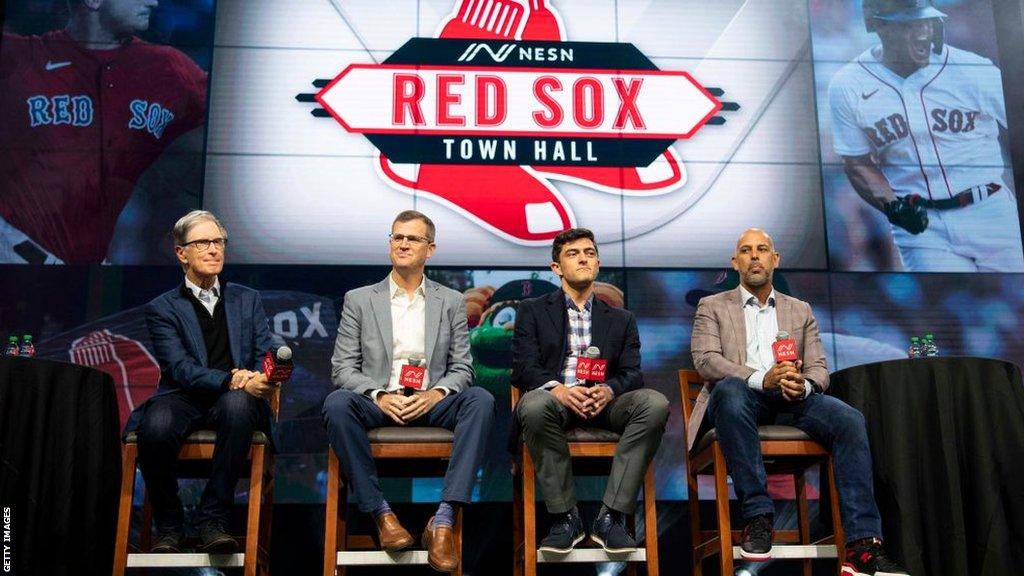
x=965, y=198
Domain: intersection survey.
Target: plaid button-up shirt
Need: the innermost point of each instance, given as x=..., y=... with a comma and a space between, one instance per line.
x=578, y=337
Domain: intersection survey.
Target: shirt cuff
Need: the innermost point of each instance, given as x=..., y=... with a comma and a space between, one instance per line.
x=552, y=384
x=756, y=380
x=447, y=391
x=374, y=394
x=808, y=387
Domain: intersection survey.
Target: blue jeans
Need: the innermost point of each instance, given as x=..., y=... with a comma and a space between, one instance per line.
x=736, y=410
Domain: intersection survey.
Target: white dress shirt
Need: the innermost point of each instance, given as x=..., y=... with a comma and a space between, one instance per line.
x=208, y=298
x=408, y=330
x=762, y=326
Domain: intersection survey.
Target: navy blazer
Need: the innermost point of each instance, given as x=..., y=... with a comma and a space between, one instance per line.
x=180, y=350
x=539, y=346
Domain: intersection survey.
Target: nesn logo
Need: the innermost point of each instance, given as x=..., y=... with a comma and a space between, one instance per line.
x=531, y=54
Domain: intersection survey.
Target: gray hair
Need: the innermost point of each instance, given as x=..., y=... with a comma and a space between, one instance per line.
x=186, y=223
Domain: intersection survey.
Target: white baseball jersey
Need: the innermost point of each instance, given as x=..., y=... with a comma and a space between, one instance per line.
x=934, y=133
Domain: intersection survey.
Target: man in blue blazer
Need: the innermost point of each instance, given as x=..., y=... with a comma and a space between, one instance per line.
x=382, y=327
x=552, y=332
x=209, y=338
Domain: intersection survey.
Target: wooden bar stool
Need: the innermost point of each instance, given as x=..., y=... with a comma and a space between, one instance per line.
x=786, y=450
x=401, y=451
x=587, y=446
x=198, y=447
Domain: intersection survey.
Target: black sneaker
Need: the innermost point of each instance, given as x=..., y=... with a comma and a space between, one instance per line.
x=757, y=539
x=610, y=532
x=214, y=540
x=565, y=533
x=866, y=558
x=168, y=541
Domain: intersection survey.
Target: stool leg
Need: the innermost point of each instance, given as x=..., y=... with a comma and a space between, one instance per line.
x=529, y=515
x=124, y=509
x=517, y=518
x=693, y=498
x=803, y=516
x=331, y=515
x=266, y=514
x=252, y=521
x=722, y=507
x=650, y=522
x=837, y=519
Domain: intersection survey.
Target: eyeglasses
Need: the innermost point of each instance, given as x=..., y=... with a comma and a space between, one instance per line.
x=204, y=244
x=414, y=240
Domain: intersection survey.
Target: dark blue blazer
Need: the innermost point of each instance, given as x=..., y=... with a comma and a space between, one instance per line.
x=180, y=350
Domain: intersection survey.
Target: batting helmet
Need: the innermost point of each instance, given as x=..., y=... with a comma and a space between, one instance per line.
x=905, y=11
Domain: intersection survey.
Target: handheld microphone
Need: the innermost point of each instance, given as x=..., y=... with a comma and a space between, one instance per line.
x=413, y=374
x=591, y=368
x=278, y=365
x=784, y=348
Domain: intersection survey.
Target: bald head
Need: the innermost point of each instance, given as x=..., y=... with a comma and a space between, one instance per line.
x=755, y=235
x=755, y=260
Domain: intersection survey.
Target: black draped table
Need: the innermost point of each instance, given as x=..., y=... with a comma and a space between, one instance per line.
x=947, y=438
x=60, y=460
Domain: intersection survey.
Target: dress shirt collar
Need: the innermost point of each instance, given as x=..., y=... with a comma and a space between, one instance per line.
x=571, y=304
x=397, y=291
x=198, y=292
x=749, y=299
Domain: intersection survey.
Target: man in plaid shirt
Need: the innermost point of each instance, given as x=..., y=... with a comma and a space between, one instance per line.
x=552, y=332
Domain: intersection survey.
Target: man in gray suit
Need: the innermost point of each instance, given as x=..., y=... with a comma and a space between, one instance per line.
x=732, y=340
x=382, y=327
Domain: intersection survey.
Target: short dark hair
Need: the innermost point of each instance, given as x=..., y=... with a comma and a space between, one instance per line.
x=410, y=215
x=568, y=236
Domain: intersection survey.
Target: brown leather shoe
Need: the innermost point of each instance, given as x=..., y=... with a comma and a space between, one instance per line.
x=392, y=536
x=440, y=544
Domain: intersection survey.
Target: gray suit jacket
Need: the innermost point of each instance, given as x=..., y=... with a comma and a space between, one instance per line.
x=362, y=351
x=719, y=344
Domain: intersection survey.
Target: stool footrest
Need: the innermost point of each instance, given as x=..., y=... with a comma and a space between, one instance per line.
x=795, y=551
x=380, y=557
x=592, y=555
x=186, y=560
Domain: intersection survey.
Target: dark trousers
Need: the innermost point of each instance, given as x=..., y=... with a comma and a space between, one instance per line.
x=468, y=414
x=168, y=420
x=638, y=416
x=736, y=410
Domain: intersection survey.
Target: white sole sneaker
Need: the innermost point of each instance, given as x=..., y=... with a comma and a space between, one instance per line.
x=552, y=550
x=757, y=557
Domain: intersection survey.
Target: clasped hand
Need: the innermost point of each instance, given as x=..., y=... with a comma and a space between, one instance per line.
x=787, y=378
x=583, y=401
x=254, y=383
x=405, y=409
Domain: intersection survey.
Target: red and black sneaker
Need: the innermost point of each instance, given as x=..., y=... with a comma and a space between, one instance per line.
x=756, y=545
x=867, y=558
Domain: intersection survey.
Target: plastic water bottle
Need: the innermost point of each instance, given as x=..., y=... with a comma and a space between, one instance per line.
x=12, y=346
x=915, y=347
x=28, y=349
x=929, y=348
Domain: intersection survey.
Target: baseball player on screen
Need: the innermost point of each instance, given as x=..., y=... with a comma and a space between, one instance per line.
x=917, y=123
x=85, y=111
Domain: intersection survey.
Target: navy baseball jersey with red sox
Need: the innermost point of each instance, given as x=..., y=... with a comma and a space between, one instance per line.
x=79, y=127
x=934, y=133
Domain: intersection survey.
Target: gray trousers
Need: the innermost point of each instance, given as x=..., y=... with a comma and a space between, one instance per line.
x=638, y=417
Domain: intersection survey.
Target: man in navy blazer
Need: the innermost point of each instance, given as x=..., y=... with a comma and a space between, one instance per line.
x=382, y=327
x=551, y=333
x=209, y=338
